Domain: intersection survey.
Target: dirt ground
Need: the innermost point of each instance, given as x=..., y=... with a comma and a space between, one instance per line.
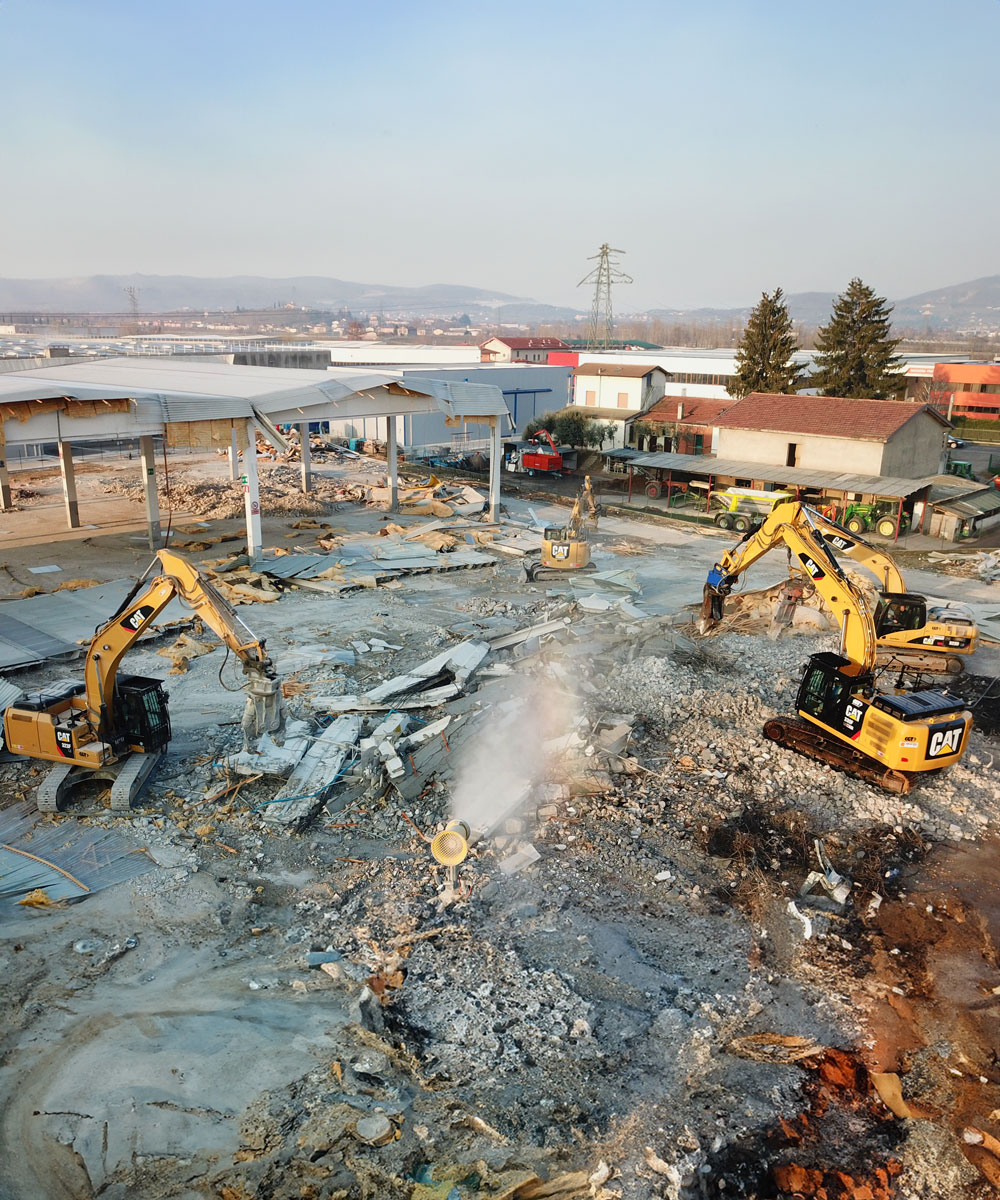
x=635, y=1013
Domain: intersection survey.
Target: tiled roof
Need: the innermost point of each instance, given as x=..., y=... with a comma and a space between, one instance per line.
x=697, y=410
x=827, y=416
x=530, y=343
x=616, y=370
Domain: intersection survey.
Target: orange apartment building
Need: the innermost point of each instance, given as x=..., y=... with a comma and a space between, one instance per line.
x=967, y=390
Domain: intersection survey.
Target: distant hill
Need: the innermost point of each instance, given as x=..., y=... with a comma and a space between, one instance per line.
x=970, y=305
x=170, y=293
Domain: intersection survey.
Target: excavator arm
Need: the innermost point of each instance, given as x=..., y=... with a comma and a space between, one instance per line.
x=179, y=578
x=792, y=525
x=864, y=553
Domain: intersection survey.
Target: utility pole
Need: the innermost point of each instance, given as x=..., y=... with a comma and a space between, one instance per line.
x=601, y=335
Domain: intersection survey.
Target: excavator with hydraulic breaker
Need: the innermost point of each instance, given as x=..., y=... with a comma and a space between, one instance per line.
x=912, y=631
x=888, y=738
x=116, y=727
x=566, y=547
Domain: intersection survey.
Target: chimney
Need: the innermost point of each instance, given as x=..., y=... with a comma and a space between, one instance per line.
x=680, y=410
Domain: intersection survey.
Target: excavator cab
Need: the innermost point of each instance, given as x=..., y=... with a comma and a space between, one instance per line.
x=142, y=716
x=900, y=611
x=825, y=693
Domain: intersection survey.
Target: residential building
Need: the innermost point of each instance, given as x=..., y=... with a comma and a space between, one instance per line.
x=520, y=349
x=627, y=387
x=873, y=437
x=681, y=424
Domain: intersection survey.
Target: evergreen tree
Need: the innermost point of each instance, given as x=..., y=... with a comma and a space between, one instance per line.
x=856, y=356
x=764, y=356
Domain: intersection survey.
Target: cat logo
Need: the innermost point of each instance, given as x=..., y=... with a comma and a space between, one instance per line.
x=838, y=542
x=813, y=567
x=945, y=741
x=560, y=552
x=64, y=742
x=135, y=620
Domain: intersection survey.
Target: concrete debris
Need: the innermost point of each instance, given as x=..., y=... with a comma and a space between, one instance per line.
x=523, y=856
x=315, y=774
x=450, y=667
x=530, y=633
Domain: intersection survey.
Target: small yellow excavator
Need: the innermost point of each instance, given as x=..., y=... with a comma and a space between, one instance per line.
x=116, y=727
x=910, y=631
x=892, y=738
x=566, y=547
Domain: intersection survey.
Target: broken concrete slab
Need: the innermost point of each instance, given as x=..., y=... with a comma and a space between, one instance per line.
x=455, y=665
x=315, y=774
x=527, y=634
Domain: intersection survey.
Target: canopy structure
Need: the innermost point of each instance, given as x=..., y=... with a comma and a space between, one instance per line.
x=139, y=398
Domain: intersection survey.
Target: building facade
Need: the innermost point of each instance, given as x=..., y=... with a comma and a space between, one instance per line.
x=831, y=433
x=520, y=349
x=629, y=388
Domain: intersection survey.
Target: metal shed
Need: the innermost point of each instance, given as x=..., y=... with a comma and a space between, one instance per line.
x=141, y=397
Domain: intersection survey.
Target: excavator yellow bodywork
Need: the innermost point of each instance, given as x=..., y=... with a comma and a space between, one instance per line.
x=99, y=724
x=886, y=737
x=567, y=547
x=911, y=631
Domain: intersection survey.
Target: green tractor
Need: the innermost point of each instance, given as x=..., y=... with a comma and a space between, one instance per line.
x=879, y=516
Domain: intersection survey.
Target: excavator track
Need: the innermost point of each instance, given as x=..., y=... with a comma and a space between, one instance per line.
x=535, y=571
x=927, y=662
x=807, y=739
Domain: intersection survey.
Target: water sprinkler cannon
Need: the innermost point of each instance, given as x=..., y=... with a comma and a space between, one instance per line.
x=451, y=846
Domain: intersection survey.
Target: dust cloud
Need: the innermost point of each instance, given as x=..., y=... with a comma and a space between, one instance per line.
x=518, y=749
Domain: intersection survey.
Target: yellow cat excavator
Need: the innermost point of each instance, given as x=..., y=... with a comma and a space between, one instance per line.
x=567, y=547
x=116, y=727
x=911, y=631
x=890, y=738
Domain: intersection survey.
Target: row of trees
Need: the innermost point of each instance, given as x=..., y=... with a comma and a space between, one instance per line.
x=572, y=429
x=856, y=353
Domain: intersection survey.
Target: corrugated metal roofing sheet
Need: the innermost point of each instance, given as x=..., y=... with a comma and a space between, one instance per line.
x=975, y=504
x=460, y=399
x=701, y=464
x=51, y=625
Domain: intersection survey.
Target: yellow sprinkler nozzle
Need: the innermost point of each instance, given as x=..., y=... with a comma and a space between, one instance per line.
x=451, y=845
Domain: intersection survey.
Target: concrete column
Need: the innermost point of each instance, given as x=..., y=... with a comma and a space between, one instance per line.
x=393, y=466
x=5, y=500
x=306, y=455
x=251, y=496
x=234, y=457
x=495, y=449
x=148, y=456
x=69, y=484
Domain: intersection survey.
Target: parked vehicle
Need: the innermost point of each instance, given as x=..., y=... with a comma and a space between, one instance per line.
x=880, y=516
x=745, y=508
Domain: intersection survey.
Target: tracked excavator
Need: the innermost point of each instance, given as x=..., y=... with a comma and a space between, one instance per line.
x=566, y=548
x=911, y=632
x=115, y=726
x=889, y=738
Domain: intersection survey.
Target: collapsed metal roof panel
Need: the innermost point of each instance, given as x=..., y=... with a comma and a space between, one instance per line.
x=703, y=464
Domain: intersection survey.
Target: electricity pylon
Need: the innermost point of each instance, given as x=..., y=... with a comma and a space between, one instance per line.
x=602, y=321
x=133, y=302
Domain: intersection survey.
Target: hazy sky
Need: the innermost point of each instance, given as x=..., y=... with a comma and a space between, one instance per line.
x=727, y=145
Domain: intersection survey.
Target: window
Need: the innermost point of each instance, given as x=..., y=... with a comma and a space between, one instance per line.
x=623, y=399
x=699, y=443
x=592, y=399
x=792, y=457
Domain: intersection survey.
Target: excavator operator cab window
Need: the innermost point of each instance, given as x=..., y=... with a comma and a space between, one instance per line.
x=895, y=614
x=141, y=710
x=824, y=692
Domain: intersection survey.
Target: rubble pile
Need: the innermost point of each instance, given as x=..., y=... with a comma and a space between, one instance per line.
x=655, y=976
